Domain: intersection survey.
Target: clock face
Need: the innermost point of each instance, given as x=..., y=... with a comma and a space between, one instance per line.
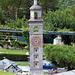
x=36, y=41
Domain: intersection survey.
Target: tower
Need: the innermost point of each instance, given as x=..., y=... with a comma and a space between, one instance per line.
x=36, y=40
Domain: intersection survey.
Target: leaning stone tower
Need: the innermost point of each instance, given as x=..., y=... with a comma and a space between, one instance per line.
x=36, y=40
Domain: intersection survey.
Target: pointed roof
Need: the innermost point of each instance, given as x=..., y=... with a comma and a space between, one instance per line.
x=35, y=6
x=6, y=62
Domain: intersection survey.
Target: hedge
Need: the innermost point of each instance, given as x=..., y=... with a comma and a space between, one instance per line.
x=16, y=44
x=1, y=44
x=14, y=57
x=61, y=55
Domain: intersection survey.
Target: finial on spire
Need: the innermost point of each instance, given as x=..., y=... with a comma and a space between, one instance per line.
x=35, y=2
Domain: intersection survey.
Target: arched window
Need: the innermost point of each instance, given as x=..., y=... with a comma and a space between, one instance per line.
x=35, y=29
x=35, y=15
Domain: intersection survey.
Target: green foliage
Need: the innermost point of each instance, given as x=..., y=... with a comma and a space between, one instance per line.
x=22, y=45
x=5, y=42
x=26, y=34
x=1, y=15
x=15, y=57
x=16, y=24
x=4, y=27
x=58, y=19
x=73, y=39
x=66, y=4
x=12, y=8
x=48, y=4
x=2, y=37
x=1, y=44
x=16, y=44
x=62, y=56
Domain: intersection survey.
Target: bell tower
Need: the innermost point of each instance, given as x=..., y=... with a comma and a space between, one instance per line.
x=36, y=40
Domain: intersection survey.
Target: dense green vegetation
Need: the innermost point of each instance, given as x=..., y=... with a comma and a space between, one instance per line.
x=15, y=14
x=15, y=57
x=61, y=56
x=14, y=44
x=58, y=20
x=66, y=4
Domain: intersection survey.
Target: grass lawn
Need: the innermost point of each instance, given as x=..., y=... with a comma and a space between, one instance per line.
x=23, y=64
x=6, y=73
x=45, y=72
x=11, y=51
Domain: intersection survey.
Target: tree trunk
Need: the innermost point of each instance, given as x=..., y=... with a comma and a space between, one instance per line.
x=13, y=13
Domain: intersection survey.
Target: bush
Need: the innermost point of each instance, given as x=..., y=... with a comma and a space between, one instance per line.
x=16, y=44
x=14, y=57
x=5, y=42
x=22, y=45
x=62, y=56
x=1, y=44
x=58, y=20
x=2, y=37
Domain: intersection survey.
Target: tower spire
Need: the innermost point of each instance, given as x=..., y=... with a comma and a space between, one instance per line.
x=35, y=2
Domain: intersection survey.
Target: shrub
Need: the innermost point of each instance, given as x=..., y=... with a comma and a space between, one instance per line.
x=22, y=45
x=62, y=56
x=14, y=57
x=5, y=42
x=16, y=44
x=2, y=36
x=1, y=44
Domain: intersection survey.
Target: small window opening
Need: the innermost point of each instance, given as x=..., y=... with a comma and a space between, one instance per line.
x=36, y=15
x=35, y=49
x=36, y=63
x=36, y=56
x=35, y=29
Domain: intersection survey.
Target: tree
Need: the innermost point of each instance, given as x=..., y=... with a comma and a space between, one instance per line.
x=55, y=20
x=17, y=24
x=48, y=4
x=24, y=9
x=66, y=4
x=11, y=7
x=61, y=56
x=21, y=7
x=1, y=16
x=25, y=32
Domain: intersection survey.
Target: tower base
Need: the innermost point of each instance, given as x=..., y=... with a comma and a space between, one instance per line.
x=36, y=73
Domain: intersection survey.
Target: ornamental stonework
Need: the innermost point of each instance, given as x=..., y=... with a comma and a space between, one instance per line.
x=36, y=41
